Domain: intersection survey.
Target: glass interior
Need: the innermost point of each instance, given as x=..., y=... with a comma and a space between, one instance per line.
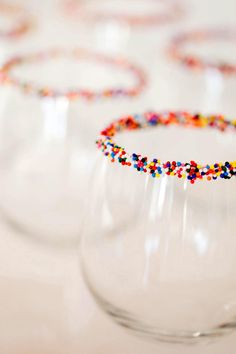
x=66, y=72
x=212, y=50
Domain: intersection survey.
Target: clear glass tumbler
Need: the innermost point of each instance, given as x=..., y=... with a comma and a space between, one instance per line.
x=158, y=254
x=47, y=134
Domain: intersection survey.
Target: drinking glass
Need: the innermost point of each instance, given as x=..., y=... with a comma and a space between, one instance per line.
x=202, y=58
x=47, y=134
x=118, y=26
x=15, y=22
x=158, y=245
x=136, y=13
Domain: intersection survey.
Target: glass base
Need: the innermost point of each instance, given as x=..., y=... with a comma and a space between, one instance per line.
x=150, y=332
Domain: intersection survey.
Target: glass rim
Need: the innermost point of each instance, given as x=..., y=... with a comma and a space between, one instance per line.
x=78, y=93
x=174, y=10
x=200, y=35
x=20, y=23
x=191, y=170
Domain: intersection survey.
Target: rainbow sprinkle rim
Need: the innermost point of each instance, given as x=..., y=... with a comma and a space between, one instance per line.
x=20, y=24
x=75, y=93
x=77, y=8
x=191, y=171
x=195, y=62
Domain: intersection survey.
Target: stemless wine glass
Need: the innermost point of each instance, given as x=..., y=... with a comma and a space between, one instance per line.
x=135, y=13
x=118, y=25
x=46, y=155
x=158, y=247
x=205, y=61
x=14, y=23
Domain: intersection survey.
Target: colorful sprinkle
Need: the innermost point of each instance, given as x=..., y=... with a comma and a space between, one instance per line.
x=191, y=170
x=77, y=93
